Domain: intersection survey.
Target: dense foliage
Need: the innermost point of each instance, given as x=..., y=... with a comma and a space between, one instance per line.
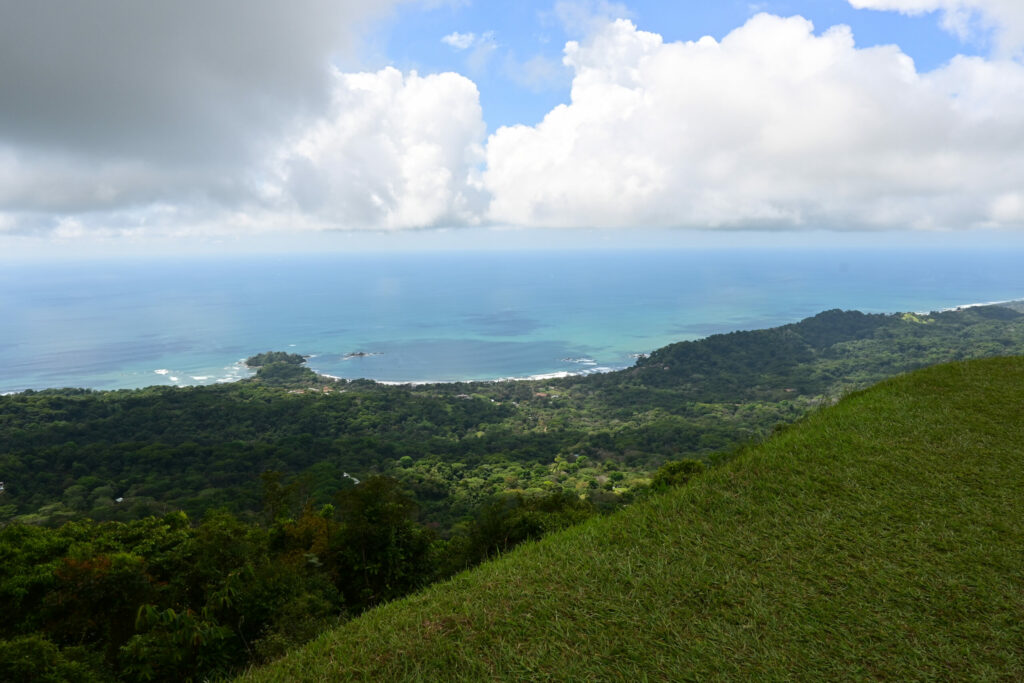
x=65, y=454
x=268, y=357
x=206, y=527
x=161, y=598
x=279, y=369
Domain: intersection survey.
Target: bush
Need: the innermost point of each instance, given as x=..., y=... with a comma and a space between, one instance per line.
x=675, y=473
x=33, y=659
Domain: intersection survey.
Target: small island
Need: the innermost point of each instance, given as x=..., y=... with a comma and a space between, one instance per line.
x=281, y=369
x=268, y=357
x=359, y=354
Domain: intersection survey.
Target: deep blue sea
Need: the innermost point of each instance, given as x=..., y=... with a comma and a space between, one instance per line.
x=445, y=316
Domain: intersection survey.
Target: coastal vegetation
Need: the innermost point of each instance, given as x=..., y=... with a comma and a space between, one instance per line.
x=174, y=533
x=277, y=368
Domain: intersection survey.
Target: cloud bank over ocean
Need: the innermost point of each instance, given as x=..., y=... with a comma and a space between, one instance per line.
x=233, y=122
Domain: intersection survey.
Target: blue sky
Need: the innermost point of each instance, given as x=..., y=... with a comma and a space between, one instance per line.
x=521, y=31
x=190, y=126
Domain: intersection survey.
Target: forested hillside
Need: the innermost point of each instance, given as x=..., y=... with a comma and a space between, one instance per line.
x=878, y=539
x=209, y=527
x=123, y=455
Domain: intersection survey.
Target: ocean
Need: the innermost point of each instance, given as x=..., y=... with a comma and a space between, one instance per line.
x=432, y=316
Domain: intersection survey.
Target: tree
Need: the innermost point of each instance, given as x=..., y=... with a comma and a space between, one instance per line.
x=379, y=552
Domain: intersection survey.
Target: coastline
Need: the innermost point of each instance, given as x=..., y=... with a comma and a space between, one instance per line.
x=590, y=370
x=979, y=305
x=237, y=371
x=560, y=374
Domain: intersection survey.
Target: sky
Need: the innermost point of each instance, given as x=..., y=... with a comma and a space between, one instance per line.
x=220, y=124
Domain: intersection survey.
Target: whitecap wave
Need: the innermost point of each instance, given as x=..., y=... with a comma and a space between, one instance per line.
x=977, y=305
x=545, y=375
x=162, y=372
x=560, y=374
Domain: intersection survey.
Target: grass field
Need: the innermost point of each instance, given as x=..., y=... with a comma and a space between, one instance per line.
x=882, y=538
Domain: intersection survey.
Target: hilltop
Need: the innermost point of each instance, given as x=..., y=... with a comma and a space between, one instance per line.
x=877, y=538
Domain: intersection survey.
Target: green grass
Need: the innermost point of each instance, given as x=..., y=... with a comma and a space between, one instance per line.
x=882, y=538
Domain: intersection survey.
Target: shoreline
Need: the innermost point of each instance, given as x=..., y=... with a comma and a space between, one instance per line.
x=176, y=381
x=560, y=374
x=979, y=305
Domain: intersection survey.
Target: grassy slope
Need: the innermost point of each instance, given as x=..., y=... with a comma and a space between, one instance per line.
x=883, y=537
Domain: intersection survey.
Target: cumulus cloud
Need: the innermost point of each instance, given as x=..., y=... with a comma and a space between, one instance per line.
x=395, y=152
x=188, y=117
x=459, y=41
x=123, y=118
x=967, y=18
x=774, y=126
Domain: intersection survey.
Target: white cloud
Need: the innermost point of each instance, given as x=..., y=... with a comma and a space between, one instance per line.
x=483, y=48
x=396, y=152
x=391, y=151
x=117, y=118
x=774, y=126
x=967, y=18
x=459, y=41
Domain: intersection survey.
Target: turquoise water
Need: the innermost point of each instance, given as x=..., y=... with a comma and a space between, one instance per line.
x=445, y=316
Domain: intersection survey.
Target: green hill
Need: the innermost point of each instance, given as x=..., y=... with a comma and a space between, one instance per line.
x=879, y=538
